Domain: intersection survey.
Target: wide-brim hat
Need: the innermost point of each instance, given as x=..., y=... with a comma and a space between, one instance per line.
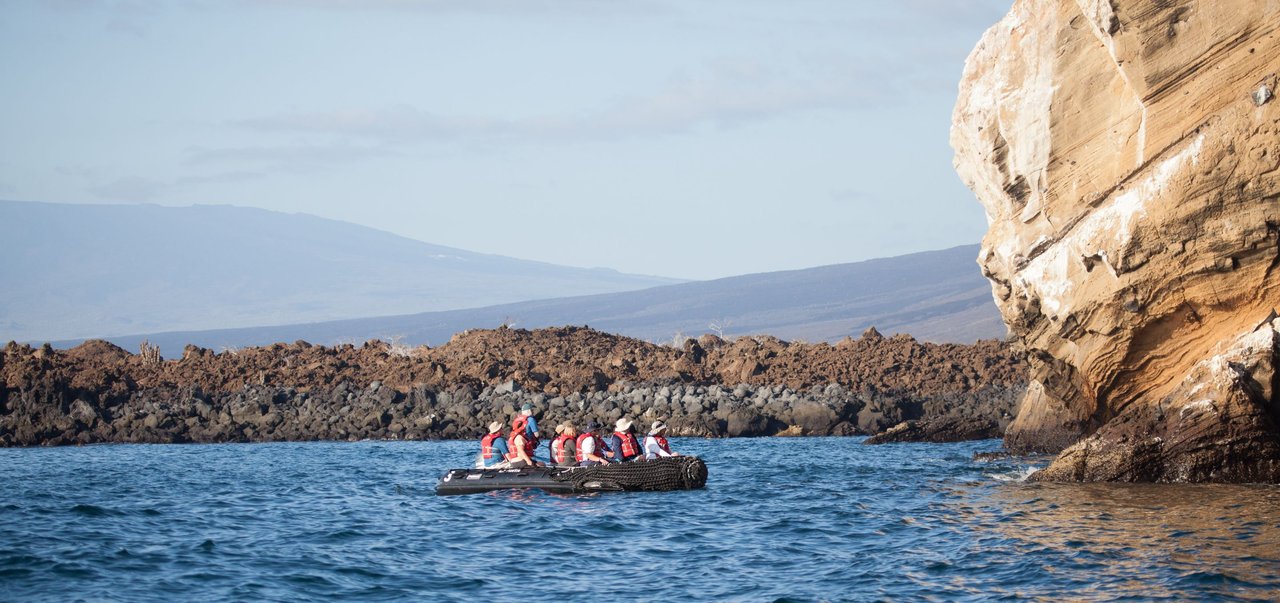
x=623, y=424
x=657, y=427
x=495, y=427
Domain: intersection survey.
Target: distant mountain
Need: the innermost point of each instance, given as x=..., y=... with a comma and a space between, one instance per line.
x=94, y=270
x=936, y=296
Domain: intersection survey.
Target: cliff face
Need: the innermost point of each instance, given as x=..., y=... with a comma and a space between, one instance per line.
x=1127, y=153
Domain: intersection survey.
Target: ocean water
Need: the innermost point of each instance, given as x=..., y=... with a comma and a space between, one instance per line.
x=780, y=519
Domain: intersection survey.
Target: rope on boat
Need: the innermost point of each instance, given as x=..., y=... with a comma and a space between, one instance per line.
x=668, y=473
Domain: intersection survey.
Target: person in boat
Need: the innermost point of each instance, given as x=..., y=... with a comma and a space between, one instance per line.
x=531, y=425
x=589, y=447
x=606, y=446
x=623, y=442
x=493, y=447
x=655, y=444
x=521, y=444
x=564, y=446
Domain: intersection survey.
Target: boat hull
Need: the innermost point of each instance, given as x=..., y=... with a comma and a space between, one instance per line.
x=676, y=473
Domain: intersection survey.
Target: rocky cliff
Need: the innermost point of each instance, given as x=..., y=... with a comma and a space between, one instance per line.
x=98, y=392
x=1127, y=153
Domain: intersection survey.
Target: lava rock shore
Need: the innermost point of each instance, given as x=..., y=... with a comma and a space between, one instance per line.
x=752, y=386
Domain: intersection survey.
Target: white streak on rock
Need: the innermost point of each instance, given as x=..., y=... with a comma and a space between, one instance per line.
x=1107, y=231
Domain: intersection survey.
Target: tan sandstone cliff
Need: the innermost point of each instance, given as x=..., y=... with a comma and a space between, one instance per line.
x=1127, y=153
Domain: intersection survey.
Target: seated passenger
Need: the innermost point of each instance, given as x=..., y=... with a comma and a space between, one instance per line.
x=521, y=445
x=655, y=444
x=589, y=449
x=623, y=442
x=531, y=425
x=493, y=447
x=562, y=448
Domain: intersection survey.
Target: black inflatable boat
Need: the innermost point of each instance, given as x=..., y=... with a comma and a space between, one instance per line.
x=672, y=473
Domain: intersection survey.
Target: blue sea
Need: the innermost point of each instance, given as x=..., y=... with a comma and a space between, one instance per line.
x=781, y=519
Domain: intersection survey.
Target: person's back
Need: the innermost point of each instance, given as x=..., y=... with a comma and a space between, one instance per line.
x=530, y=424
x=623, y=442
x=562, y=448
x=655, y=444
x=588, y=448
x=605, y=441
x=521, y=445
x=493, y=447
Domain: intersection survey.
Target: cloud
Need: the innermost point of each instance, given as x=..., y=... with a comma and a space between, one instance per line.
x=120, y=17
x=139, y=189
x=83, y=172
x=291, y=158
x=520, y=7
x=949, y=13
x=115, y=6
x=727, y=94
x=400, y=123
x=219, y=178
x=127, y=27
x=851, y=197
x=133, y=189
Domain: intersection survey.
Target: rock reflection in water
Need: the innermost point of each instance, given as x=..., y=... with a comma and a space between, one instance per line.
x=1222, y=539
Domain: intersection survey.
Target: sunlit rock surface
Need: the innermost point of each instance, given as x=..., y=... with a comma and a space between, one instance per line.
x=1127, y=153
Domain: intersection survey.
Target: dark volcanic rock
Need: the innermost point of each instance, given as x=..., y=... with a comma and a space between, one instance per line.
x=760, y=386
x=950, y=428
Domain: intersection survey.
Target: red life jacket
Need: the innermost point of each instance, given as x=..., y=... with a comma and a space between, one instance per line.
x=578, y=451
x=630, y=447
x=662, y=443
x=557, y=448
x=520, y=424
x=513, y=452
x=486, y=445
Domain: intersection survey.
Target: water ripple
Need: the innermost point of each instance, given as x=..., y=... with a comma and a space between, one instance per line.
x=318, y=521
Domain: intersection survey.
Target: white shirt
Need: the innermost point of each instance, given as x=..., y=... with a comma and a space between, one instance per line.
x=588, y=446
x=651, y=448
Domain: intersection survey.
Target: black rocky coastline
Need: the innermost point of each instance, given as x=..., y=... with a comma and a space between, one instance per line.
x=903, y=389
x=347, y=413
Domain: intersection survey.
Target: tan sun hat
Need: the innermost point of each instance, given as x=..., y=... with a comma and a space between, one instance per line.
x=657, y=427
x=560, y=428
x=623, y=424
x=495, y=427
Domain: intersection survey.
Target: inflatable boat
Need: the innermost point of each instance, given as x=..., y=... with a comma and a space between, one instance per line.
x=671, y=473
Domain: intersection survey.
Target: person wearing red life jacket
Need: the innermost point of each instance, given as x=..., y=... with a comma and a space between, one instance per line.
x=531, y=424
x=589, y=448
x=521, y=445
x=493, y=447
x=655, y=444
x=623, y=442
x=563, y=448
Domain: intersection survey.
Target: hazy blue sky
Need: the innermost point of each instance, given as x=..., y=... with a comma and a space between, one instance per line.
x=690, y=138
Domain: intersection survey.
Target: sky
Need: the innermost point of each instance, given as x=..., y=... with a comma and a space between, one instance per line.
x=686, y=138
